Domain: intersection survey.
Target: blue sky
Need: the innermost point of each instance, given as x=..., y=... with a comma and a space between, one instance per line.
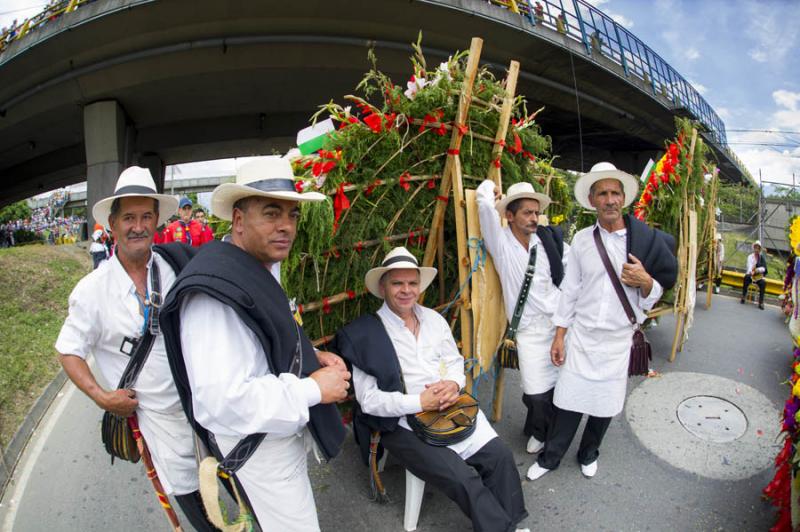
x=742, y=56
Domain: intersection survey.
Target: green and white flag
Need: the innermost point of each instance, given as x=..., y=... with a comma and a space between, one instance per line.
x=311, y=139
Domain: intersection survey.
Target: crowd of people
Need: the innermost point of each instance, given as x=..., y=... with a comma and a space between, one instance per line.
x=266, y=396
x=45, y=224
x=54, y=9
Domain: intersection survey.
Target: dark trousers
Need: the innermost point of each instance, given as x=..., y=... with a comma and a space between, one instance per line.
x=540, y=414
x=562, y=431
x=192, y=506
x=97, y=258
x=762, y=285
x=486, y=486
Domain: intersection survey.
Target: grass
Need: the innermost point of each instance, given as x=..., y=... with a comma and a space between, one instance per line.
x=776, y=265
x=35, y=283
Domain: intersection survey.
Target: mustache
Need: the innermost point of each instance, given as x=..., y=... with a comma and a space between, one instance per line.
x=140, y=234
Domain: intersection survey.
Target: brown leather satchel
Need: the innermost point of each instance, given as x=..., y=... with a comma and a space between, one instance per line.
x=449, y=426
x=641, y=353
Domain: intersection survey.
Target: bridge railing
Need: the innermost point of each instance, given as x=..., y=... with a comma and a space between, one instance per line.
x=601, y=35
x=54, y=10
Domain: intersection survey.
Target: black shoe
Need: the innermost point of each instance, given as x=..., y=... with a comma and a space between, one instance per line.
x=741, y=301
x=761, y=306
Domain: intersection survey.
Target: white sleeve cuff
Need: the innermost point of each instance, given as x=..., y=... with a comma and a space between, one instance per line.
x=411, y=404
x=655, y=294
x=311, y=391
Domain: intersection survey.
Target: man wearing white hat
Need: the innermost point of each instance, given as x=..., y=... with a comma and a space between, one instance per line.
x=594, y=354
x=756, y=270
x=405, y=361
x=109, y=312
x=515, y=249
x=249, y=379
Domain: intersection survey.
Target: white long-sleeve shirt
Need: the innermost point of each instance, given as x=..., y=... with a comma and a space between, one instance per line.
x=233, y=391
x=751, y=264
x=429, y=357
x=587, y=295
x=511, y=260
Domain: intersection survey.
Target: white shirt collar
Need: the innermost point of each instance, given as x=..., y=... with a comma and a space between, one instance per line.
x=618, y=232
x=393, y=319
x=125, y=284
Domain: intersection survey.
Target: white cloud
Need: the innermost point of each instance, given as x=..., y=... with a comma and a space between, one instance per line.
x=723, y=112
x=692, y=54
x=702, y=89
x=786, y=99
x=621, y=20
x=771, y=31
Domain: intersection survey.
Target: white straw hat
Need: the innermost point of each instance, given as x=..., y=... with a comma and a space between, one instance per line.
x=267, y=177
x=135, y=181
x=398, y=259
x=522, y=190
x=599, y=171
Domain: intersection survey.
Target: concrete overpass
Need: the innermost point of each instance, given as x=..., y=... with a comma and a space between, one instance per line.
x=158, y=82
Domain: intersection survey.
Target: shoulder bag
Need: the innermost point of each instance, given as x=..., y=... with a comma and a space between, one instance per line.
x=641, y=353
x=507, y=355
x=115, y=431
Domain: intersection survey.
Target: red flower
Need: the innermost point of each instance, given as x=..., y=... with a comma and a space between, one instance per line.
x=340, y=203
x=674, y=152
x=323, y=168
x=298, y=186
x=431, y=184
x=373, y=122
x=403, y=182
x=653, y=182
x=646, y=197
x=517, y=147
x=639, y=214
x=664, y=178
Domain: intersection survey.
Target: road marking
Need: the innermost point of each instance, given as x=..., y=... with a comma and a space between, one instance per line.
x=22, y=473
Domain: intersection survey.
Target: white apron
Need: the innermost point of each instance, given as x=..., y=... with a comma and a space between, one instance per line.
x=275, y=479
x=538, y=374
x=171, y=442
x=594, y=377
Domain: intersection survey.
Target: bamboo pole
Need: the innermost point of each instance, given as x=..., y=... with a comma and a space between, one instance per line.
x=465, y=99
x=495, y=175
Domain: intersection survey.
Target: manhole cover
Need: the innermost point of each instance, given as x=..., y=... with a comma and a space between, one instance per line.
x=712, y=419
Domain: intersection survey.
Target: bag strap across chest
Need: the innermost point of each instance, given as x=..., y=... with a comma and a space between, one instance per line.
x=523, y=295
x=615, y=282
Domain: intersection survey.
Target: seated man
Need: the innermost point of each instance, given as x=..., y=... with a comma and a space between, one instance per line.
x=405, y=361
x=756, y=270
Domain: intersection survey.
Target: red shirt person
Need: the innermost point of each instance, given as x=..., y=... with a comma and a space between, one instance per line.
x=200, y=216
x=185, y=229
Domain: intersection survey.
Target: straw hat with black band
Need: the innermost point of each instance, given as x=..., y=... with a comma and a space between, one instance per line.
x=522, y=190
x=398, y=259
x=135, y=181
x=266, y=177
x=600, y=171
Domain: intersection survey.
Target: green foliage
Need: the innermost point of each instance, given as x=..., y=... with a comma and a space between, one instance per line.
x=385, y=161
x=738, y=203
x=15, y=211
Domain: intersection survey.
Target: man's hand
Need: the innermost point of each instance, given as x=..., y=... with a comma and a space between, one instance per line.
x=497, y=193
x=328, y=359
x=557, y=352
x=119, y=402
x=634, y=274
x=429, y=399
x=447, y=393
x=333, y=383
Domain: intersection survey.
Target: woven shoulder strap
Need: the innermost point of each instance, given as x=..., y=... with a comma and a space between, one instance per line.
x=145, y=343
x=523, y=295
x=615, y=282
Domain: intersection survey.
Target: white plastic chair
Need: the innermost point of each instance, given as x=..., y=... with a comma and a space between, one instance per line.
x=415, y=488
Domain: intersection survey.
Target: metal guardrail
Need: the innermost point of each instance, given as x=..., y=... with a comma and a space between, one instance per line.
x=575, y=19
x=601, y=35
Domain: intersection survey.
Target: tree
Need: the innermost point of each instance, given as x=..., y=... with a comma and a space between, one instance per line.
x=738, y=203
x=15, y=211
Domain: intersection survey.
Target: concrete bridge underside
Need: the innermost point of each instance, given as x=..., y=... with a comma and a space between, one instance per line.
x=162, y=82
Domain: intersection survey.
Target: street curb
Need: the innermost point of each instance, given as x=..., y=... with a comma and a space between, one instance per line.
x=11, y=455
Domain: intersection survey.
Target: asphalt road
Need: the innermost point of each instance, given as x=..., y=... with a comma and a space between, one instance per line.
x=65, y=481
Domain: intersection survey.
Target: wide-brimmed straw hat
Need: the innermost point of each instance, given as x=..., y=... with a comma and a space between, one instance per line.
x=600, y=171
x=398, y=259
x=135, y=181
x=522, y=190
x=266, y=177
x=757, y=243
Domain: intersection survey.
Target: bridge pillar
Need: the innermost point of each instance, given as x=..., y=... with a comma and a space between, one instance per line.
x=109, y=146
x=153, y=162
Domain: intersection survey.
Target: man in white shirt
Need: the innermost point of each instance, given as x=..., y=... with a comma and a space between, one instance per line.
x=512, y=248
x=405, y=361
x=756, y=270
x=594, y=354
x=242, y=365
x=108, y=312
x=719, y=249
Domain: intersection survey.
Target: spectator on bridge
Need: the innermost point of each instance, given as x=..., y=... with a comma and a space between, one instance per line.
x=561, y=23
x=110, y=313
x=756, y=270
x=185, y=229
x=538, y=12
x=207, y=233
